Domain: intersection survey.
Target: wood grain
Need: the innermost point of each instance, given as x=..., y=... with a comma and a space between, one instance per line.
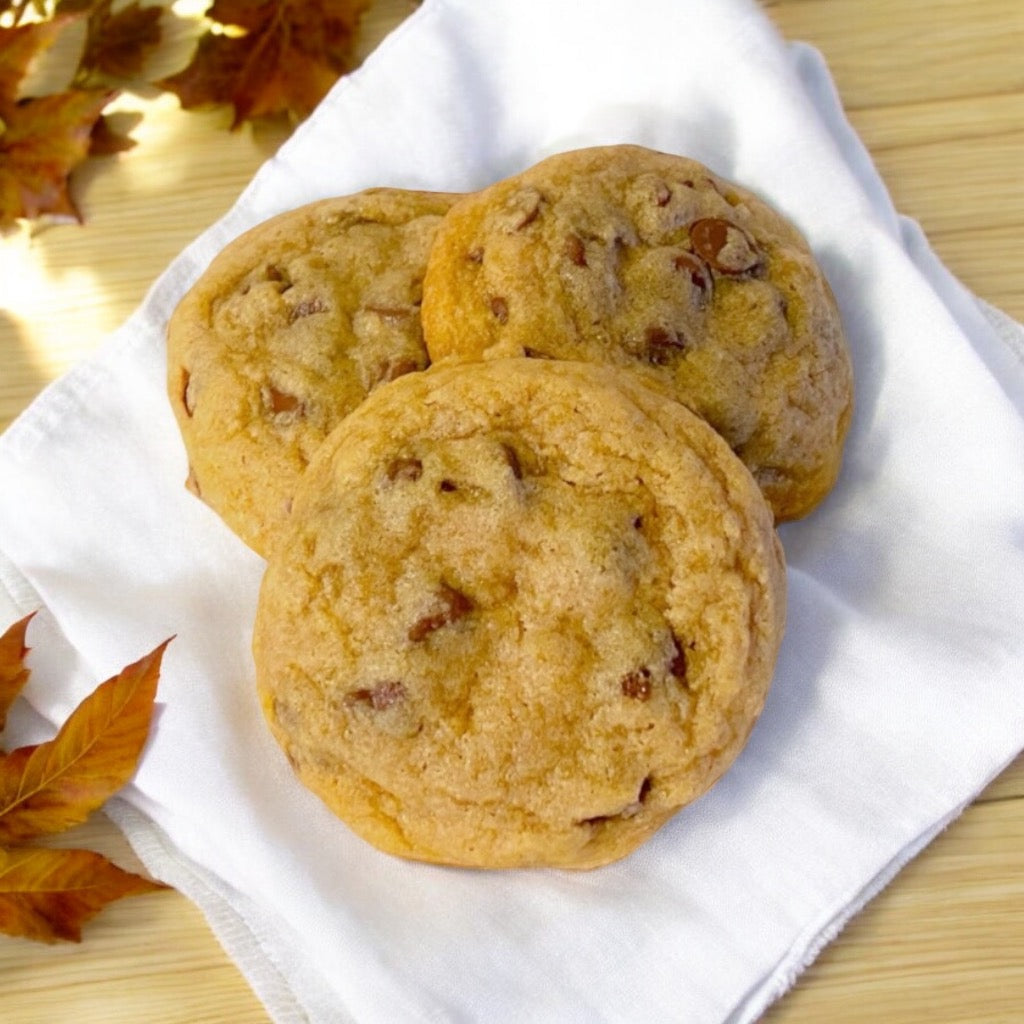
x=936, y=90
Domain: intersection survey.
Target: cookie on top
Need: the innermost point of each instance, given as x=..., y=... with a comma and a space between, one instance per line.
x=521, y=613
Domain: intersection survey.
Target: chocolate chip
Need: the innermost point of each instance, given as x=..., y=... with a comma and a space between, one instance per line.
x=637, y=684
x=281, y=401
x=278, y=275
x=447, y=486
x=678, y=666
x=380, y=696
x=390, y=312
x=404, y=468
x=522, y=208
x=452, y=605
x=512, y=458
x=499, y=307
x=306, y=308
x=396, y=368
x=575, y=251
x=727, y=247
x=187, y=398
x=661, y=345
x=631, y=810
x=700, y=277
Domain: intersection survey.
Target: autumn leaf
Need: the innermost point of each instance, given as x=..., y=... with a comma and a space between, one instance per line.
x=47, y=895
x=13, y=671
x=19, y=47
x=51, y=786
x=43, y=140
x=283, y=57
x=116, y=44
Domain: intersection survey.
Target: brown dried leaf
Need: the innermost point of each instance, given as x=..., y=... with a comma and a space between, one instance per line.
x=51, y=786
x=117, y=44
x=47, y=895
x=13, y=671
x=43, y=140
x=19, y=47
x=288, y=56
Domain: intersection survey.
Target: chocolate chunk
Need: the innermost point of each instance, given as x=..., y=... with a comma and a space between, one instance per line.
x=661, y=345
x=631, y=810
x=522, y=208
x=281, y=401
x=727, y=247
x=452, y=605
x=637, y=684
x=380, y=696
x=512, y=458
x=187, y=398
x=499, y=307
x=278, y=275
x=306, y=308
x=678, y=665
x=396, y=368
x=404, y=468
x=575, y=250
x=700, y=277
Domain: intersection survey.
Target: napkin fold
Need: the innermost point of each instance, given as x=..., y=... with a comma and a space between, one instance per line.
x=899, y=692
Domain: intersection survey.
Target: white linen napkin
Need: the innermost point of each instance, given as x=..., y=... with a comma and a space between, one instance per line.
x=899, y=692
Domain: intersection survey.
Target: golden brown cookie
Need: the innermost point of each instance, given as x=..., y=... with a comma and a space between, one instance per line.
x=646, y=260
x=286, y=331
x=521, y=613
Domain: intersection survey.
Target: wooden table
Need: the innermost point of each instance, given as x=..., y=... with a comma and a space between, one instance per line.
x=936, y=89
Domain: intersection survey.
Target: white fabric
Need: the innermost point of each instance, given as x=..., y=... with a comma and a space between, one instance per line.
x=899, y=691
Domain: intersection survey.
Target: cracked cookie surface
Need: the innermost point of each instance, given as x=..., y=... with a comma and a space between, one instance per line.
x=285, y=332
x=650, y=261
x=522, y=612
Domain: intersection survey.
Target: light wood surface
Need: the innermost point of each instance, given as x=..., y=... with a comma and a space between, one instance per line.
x=936, y=90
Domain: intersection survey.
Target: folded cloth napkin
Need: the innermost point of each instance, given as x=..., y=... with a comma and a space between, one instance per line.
x=899, y=691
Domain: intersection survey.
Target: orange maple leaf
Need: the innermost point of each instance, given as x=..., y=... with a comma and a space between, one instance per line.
x=48, y=787
x=47, y=895
x=13, y=670
x=287, y=57
x=19, y=47
x=43, y=139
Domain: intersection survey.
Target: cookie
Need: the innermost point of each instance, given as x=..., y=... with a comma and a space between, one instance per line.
x=521, y=613
x=646, y=260
x=287, y=330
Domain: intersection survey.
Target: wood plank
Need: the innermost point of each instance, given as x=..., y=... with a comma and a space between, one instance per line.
x=958, y=119
x=896, y=960
x=988, y=261
x=902, y=56
x=131, y=963
x=959, y=185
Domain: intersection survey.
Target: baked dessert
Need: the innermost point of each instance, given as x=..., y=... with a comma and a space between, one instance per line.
x=286, y=331
x=522, y=612
x=646, y=260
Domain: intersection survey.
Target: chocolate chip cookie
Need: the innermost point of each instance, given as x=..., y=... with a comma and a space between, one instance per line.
x=646, y=260
x=287, y=330
x=521, y=613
